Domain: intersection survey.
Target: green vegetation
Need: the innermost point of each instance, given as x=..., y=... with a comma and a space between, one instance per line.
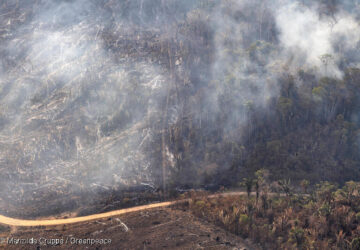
x=326, y=218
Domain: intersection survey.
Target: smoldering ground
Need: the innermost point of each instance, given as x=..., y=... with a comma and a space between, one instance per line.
x=70, y=98
x=88, y=88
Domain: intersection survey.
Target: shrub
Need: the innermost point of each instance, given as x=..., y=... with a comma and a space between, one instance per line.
x=297, y=236
x=355, y=244
x=244, y=219
x=358, y=217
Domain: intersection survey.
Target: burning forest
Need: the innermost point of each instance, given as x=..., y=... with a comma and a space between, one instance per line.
x=111, y=104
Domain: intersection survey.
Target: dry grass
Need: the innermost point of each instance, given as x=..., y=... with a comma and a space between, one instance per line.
x=329, y=218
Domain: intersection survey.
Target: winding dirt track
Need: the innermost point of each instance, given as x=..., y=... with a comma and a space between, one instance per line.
x=34, y=223
x=54, y=222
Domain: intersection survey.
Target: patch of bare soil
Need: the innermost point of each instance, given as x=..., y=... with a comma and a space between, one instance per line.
x=161, y=228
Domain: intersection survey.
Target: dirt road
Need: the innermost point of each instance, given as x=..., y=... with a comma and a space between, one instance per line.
x=157, y=228
x=153, y=226
x=54, y=222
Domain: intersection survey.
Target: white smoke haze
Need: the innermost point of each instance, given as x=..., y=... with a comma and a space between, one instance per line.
x=243, y=68
x=308, y=36
x=62, y=100
x=82, y=93
x=248, y=57
x=258, y=43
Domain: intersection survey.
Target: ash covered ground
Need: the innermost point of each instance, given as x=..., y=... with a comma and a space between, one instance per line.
x=83, y=85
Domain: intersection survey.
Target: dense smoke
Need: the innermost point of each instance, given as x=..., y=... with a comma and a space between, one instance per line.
x=88, y=87
x=317, y=40
x=260, y=42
